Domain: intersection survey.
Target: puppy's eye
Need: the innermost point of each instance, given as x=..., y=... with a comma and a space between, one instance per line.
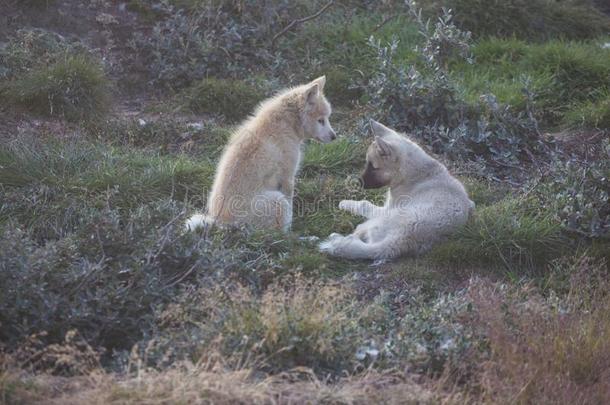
x=321, y=121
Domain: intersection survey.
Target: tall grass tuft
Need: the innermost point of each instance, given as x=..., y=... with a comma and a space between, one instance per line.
x=74, y=88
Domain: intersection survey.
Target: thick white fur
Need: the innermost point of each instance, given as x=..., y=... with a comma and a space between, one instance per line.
x=424, y=203
x=254, y=181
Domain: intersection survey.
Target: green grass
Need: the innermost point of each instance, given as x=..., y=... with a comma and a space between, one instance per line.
x=484, y=192
x=561, y=73
x=530, y=19
x=85, y=170
x=511, y=233
x=589, y=113
x=345, y=155
x=74, y=88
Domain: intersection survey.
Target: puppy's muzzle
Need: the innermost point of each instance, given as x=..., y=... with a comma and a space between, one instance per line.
x=371, y=178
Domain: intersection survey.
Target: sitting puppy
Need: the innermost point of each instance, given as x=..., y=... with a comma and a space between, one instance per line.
x=254, y=181
x=424, y=202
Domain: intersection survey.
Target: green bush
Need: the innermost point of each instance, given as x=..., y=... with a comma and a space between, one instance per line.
x=234, y=99
x=199, y=39
x=106, y=276
x=427, y=101
x=86, y=282
x=530, y=19
x=74, y=88
x=337, y=45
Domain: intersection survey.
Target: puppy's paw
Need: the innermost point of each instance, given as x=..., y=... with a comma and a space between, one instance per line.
x=348, y=205
x=326, y=247
x=330, y=244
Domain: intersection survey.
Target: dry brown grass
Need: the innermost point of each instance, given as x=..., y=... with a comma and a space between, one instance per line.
x=544, y=350
x=197, y=384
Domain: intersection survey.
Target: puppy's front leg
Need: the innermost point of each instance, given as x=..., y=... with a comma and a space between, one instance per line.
x=363, y=208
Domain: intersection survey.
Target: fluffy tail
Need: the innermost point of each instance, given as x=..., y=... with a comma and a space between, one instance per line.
x=198, y=221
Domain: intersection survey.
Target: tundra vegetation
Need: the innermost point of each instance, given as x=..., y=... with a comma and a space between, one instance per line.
x=112, y=119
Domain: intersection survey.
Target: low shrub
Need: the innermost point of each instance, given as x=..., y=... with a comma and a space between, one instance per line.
x=235, y=99
x=336, y=45
x=106, y=276
x=435, y=335
x=295, y=323
x=423, y=93
x=212, y=39
x=425, y=100
x=73, y=88
x=175, y=53
x=577, y=193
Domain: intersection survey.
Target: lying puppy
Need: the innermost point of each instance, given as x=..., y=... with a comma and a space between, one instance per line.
x=424, y=202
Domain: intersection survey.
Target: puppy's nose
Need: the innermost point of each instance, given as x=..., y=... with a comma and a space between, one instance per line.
x=333, y=135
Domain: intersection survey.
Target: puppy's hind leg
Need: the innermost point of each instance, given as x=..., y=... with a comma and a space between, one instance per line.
x=272, y=209
x=352, y=247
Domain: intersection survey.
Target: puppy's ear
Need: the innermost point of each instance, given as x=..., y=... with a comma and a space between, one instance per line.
x=312, y=93
x=378, y=128
x=320, y=81
x=384, y=148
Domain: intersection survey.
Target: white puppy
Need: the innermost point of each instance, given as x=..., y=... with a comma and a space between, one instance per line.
x=424, y=202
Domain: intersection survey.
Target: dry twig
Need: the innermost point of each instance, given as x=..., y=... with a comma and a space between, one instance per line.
x=300, y=21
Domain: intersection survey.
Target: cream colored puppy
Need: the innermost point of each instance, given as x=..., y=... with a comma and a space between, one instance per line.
x=424, y=202
x=254, y=181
